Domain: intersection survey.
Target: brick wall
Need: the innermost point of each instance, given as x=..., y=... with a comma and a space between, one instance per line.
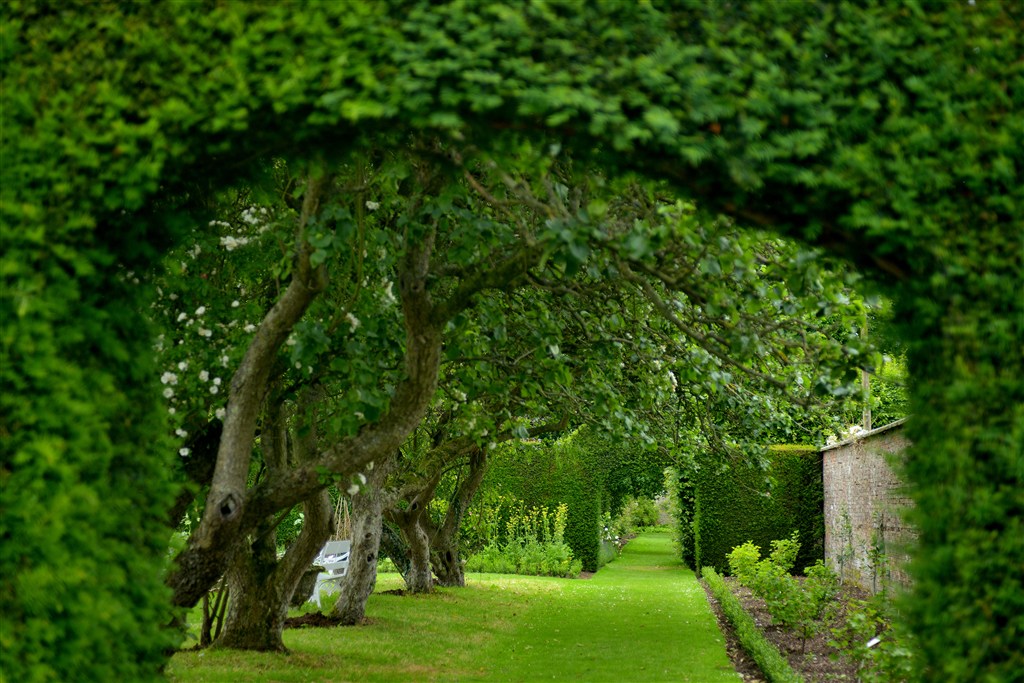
x=866, y=539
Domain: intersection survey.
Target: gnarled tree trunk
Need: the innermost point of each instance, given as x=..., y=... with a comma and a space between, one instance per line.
x=393, y=546
x=367, y=521
x=444, y=552
x=413, y=522
x=260, y=585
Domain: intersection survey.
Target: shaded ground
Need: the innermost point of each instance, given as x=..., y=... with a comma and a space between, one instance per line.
x=815, y=662
x=312, y=620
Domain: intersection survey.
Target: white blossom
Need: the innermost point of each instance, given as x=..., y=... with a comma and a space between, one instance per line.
x=183, y=452
x=181, y=432
x=201, y=310
x=224, y=360
x=172, y=410
x=204, y=376
x=203, y=332
x=220, y=413
x=168, y=378
x=234, y=304
x=231, y=242
x=249, y=216
x=216, y=380
x=362, y=478
x=214, y=389
x=372, y=206
x=389, y=296
x=168, y=392
x=250, y=328
x=353, y=489
x=183, y=365
x=182, y=316
x=352, y=320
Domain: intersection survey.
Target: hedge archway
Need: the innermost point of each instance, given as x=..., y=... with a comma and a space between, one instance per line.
x=888, y=134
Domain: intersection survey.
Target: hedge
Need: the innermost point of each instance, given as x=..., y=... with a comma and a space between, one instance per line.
x=549, y=473
x=736, y=504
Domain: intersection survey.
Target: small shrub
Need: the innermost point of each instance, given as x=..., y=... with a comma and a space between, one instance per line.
x=743, y=562
x=880, y=651
x=784, y=552
x=798, y=607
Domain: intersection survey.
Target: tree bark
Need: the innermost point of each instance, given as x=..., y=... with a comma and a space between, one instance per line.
x=367, y=521
x=260, y=585
x=413, y=522
x=445, y=556
x=392, y=546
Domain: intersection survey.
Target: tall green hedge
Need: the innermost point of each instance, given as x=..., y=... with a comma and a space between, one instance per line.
x=735, y=504
x=85, y=492
x=679, y=486
x=549, y=473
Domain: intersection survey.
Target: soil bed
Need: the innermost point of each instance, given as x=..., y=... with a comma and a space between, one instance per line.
x=816, y=663
x=313, y=619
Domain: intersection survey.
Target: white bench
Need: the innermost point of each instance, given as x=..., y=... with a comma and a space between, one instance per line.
x=334, y=559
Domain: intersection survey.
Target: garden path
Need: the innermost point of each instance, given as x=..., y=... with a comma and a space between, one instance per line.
x=645, y=608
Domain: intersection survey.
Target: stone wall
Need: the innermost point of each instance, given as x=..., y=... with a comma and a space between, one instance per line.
x=866, y=539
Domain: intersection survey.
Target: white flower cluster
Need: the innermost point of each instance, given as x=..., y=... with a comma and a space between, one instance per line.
x=372, y=206
x=848, y=433
x=169, y=378
x=230, y=242
x=352, y=320
x=254, y=215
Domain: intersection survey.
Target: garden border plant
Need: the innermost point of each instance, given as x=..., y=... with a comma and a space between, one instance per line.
x=767, y=656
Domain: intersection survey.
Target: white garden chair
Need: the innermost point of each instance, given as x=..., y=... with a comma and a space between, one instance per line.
x=334, y=559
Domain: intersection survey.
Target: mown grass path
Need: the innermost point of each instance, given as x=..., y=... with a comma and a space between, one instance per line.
x=641, y=618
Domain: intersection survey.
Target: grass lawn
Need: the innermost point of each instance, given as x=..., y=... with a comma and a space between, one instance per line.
x=641, y=618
